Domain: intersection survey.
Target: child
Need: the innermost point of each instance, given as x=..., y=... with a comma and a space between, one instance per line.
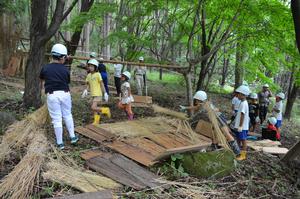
x=102, y=71
x=277, y=109
x=242, y=120
x=253, y=112
x=271, y=126
x=199, y=99
x=125, y=96
x=95, y=84
x=235, y=102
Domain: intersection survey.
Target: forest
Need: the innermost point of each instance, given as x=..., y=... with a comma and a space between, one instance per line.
x=182, y=47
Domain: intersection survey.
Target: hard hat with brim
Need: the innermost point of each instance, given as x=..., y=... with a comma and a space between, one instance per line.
x=253, y=96
x=141, y=58
x=272, y=120
x=200, y=95
x=93, y=54
x=280, y=95
x=243, y=90
x=266, y=85
x=93, y=62
x=127, y=74
x=59, y=50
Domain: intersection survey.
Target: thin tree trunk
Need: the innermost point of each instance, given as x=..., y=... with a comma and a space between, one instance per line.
x=225, y=68
x=239, y=70
x=189, y=88
x=291, y=97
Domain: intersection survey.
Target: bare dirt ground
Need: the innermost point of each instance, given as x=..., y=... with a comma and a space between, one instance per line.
x=260, y=176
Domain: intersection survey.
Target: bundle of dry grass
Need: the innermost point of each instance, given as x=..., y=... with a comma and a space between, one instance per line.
x=82, y=180
x=21, y=133
x=20, y=182
x=169, y=112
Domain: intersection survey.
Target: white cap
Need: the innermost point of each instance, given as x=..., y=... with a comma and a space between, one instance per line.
x=93, y=62
x=281, y=95
x=101, y=59
x=59, y=50
x=141, y=58
x=93, y=54
x=200, y=95
x=266, y=85
x=272, y=120
x=243, y=89
x=253, y=96
x=127, y=74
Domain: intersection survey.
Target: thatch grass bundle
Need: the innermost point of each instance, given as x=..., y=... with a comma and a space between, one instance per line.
x=179, y=115
x=21, y=133
x=20, y=182
x=82, y=180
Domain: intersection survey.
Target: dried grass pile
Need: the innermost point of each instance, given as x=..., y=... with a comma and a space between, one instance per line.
x=19, y=183
x=84, y=181
x=21, y=133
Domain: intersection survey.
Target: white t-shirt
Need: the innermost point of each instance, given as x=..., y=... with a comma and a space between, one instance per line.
x=236, y=102
x=278, y=106
x=118, y=69
x=126, y=98
x=243, y=108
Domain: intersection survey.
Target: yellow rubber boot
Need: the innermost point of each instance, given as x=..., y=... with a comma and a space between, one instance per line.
x=106, y=111
x=96, y=119
x=242, y=156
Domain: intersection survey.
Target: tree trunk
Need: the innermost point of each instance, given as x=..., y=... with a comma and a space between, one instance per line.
x=189, y=88
x=239, y=70
x=225, y=68
x=291, y=98
x=105, y=33
x=295, y=7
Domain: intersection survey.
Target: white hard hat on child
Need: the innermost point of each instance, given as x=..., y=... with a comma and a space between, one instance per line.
x=266, y=85
x=253, y=96
x=281, y=95
x=93, y=62
x=200, y=95
x=141, y=58
x=101, y=59
x=127, y=74
x=93, y=54
x=59, y=50
x=243, y=90
x=272, y=120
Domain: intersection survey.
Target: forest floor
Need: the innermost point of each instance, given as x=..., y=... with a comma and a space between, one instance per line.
x=260, y=176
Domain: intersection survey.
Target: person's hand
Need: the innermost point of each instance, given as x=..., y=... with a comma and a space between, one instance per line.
x=105, y=97
x=84, y=93
x=182, y=108
x=257, y=119
x=233, y=113
x=240, y=129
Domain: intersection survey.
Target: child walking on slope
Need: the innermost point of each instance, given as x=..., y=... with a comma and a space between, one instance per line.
x=126, y=97
x=96, y=86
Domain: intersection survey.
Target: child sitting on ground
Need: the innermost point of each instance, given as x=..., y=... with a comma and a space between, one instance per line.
x=271, y=126
x=253, y=112
x=125, y=97
x=96, y=86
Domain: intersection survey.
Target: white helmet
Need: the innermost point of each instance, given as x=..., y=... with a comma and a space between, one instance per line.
x=266, y=85
x=243, y=89
x=93, y=55
x=272, y=120
x=281, y=95
x=200, y=95
x=101, y=59
x=59, y=50
x=253, y=96
x=93, y=62
x=127, y=74
x=141, y=58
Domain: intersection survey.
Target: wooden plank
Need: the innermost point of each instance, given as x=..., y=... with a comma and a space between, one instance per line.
x=104, y=166
x=106, y=194
x=182, y=139
x=292, y=153
x=275, y=150
x=140, y=105
x=90, y=134
x=204, y=128
x=90, y=154
x=146, y=145
x=164, y=141
x=101, y=131
x=204, y=138
x=132, y=152
x=142, y=174
x=142, y=99
x=192, y=148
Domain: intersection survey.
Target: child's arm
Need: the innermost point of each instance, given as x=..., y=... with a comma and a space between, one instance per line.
x=102, y=86
x=241, y=122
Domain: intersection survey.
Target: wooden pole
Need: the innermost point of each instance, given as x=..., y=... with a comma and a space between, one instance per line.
x=292, y=153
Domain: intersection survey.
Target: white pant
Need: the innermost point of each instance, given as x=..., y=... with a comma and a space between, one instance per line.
x=59, y=106
x=139, y=84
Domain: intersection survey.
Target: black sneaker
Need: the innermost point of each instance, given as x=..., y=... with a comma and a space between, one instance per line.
x=61, y=146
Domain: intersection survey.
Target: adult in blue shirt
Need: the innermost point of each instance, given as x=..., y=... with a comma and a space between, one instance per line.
x=56, y=78
x=102, y=71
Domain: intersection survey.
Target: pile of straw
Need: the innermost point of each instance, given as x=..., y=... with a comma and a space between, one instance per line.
x=20, y=182
x=179, y=115
x=84, y=181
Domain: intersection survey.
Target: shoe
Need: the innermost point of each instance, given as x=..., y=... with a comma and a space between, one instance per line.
x=61, y=146
x=242, y=156
x=235, y=147
x=130, y=117
x=106, y=111
x=215, y=147
x=96, y=119
x=74, y=140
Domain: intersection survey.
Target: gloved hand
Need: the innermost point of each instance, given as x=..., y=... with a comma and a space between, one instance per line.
x=233, y=113
x=84, y=93
x=105, y=97
x=182, y=108
x=257, y=120
x=240, y=129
